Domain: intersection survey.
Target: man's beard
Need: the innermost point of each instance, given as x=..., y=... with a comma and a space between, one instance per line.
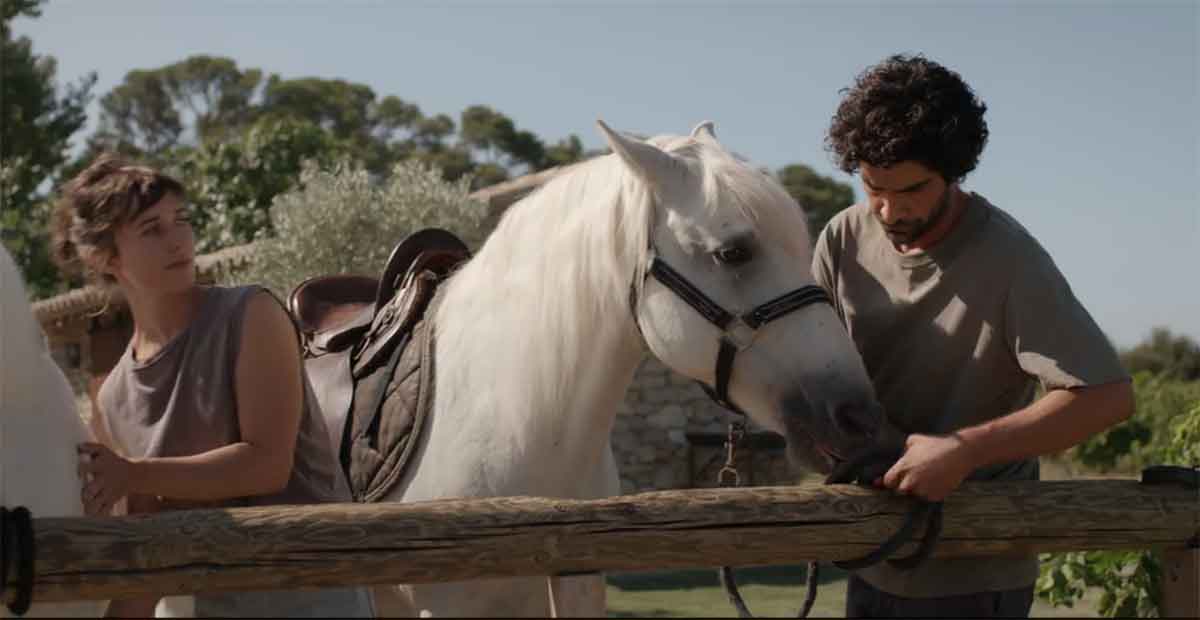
x=905, y=232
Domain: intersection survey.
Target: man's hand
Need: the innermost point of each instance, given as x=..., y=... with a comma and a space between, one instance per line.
x=931, y=468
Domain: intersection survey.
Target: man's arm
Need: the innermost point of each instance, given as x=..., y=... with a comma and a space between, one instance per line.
x=1057, y=421
x=934, y=465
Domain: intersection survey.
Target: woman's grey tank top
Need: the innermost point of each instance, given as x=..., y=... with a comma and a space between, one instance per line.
x=182, y=402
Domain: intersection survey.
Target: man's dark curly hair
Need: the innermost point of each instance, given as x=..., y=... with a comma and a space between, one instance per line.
x=909, y=108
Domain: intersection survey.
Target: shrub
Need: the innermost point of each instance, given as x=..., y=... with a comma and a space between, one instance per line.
x=340, y=220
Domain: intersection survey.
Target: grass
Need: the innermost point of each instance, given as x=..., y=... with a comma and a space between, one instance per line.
x=775, y=591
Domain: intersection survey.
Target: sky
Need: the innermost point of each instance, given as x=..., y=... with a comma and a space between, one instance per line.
x=1092, y=105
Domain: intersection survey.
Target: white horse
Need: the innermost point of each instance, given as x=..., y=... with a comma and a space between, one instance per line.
x=39, y=426
x=539, y=335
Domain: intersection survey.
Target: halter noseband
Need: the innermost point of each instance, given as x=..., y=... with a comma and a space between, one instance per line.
x=738, y=331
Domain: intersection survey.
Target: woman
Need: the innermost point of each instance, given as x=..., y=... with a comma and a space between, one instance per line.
x=209, y=406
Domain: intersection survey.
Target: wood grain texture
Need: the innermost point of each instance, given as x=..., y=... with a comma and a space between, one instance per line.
x=301, y=547
x=1180, y=583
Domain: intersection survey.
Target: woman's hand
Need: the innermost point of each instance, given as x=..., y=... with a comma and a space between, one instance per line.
x=107, y=477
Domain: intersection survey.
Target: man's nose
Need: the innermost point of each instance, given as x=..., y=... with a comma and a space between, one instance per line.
x=888, y=211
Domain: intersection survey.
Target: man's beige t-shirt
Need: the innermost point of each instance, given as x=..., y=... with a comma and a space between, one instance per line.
x=955, y=336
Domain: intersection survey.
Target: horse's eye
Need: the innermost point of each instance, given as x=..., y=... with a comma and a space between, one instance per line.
x=733, y=255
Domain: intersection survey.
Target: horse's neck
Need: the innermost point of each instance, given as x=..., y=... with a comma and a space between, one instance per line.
x=540, y=359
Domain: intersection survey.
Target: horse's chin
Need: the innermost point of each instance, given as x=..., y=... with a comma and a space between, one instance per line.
x=805, y=455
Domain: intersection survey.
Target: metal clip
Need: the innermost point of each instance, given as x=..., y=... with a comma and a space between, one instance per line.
x=740, y=334
x=736, y=431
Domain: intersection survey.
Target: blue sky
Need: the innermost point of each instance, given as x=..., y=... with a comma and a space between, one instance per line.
x=1092, y=105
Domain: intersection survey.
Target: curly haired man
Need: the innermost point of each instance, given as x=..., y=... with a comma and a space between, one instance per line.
x=959, y=313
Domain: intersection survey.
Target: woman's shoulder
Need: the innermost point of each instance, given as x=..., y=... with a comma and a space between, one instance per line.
x=231, y=303
x=249, y=307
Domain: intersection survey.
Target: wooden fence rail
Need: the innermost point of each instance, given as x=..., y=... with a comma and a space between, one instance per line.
x=301, y=547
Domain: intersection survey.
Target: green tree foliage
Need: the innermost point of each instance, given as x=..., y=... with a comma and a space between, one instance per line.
x=341, y=221
x=565, y=152
x=237, y=136
x=139, y=115
x=150, y=113
x=1142, y=440
x=1164, y=353
x=37, y=120
x=232, y=183
x=821, y=197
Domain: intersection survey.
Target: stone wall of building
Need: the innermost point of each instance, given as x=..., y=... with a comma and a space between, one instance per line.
x=668, y=435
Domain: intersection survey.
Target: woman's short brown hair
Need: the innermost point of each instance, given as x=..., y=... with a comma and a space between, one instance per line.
x=109, y=192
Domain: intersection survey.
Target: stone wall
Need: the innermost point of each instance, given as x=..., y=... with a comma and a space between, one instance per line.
x=664, y=431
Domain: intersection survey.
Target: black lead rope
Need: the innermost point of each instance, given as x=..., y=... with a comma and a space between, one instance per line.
x=863, y=469
x=737, y=430
x=16, y=538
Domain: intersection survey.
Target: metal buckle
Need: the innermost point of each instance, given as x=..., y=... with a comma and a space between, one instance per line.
x=740, y=334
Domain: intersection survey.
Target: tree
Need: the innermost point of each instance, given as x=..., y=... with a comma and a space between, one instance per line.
x=1177, y=357
x=217, y=93
x=37, y=120
x=496, y=135
x=140, y=114
x=821, y=197
x=565, y=152
x=237, y=140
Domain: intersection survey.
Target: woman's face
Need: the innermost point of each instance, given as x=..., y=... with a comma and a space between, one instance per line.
x=156, y=249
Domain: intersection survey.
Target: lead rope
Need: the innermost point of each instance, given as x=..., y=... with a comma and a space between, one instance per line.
x=728, y=477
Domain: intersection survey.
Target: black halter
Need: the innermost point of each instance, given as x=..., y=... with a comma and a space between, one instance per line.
x=737, y=331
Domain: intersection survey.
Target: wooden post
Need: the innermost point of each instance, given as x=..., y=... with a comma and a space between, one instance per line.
x=302, y=547
x=1180, y=583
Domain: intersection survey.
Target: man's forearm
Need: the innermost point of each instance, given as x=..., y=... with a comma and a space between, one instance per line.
x=1059, y=420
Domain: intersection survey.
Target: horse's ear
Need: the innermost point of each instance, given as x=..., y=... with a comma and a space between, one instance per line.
x=705, y=131
x=646, y=160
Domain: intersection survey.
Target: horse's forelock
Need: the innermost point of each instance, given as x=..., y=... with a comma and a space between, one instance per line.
x=730, y=181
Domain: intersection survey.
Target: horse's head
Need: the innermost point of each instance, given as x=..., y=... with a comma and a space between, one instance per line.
x=725, y=296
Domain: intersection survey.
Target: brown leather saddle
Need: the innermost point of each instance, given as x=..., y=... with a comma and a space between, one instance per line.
x=369, y=356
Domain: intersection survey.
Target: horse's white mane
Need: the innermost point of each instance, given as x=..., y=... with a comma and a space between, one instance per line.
x=563, y=259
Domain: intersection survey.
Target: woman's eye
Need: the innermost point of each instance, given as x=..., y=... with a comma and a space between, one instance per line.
x=733, y=255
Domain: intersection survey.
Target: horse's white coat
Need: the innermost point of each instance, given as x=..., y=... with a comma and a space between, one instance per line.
x=536, y=342
x=39, y=426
